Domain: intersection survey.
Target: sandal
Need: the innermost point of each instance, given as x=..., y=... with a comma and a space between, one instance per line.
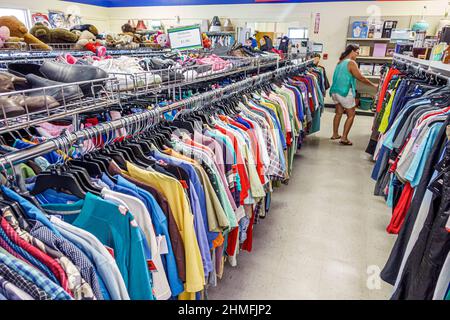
x=335, y=138
x=346, y=142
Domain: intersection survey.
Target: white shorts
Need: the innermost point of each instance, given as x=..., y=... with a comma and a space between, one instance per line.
x=347, y=102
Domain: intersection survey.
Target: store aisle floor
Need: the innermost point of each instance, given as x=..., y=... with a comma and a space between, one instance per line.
x=324, y=237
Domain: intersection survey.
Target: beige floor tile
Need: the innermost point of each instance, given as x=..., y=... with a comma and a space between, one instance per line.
x=325, y=233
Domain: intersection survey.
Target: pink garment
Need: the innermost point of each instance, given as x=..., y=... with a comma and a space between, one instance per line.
x=222, y=175
x=280, y=101
x=70, y=59
x=216, y=62
x=46, y=129
x=114, y=116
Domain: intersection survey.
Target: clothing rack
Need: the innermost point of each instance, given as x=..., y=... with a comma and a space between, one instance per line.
x=142, y=121
x=104, y=93
x=136, y=85
x=433, y=68
x=9, y=56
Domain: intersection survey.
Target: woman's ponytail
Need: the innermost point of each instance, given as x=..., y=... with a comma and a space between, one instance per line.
x=348, y=50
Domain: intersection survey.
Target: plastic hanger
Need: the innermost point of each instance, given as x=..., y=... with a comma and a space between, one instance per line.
x=59, y=181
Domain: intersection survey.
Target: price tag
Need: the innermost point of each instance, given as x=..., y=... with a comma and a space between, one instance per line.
x=110, y=250
x=162, y=244
x=151, y=266
x=185, y=38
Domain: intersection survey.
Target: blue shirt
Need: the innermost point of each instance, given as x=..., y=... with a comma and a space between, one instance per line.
x=160, y=224
x=30, y=210
x=105, y=272
x=415, y=170
x=51, y=157
x=115, y=228
x=54, y=290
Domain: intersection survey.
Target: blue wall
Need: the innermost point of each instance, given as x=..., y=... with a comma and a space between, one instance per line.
x=150, y=3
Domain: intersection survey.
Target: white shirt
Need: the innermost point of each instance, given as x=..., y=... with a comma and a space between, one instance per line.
x=161, y=288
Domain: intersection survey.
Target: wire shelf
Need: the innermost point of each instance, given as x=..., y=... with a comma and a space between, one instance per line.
x=148, y=83
x=14, y=47
x=25, y=108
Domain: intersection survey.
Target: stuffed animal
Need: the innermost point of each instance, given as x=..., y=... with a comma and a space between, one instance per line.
x=58, y=35
x=4, y=35
x=85, y=27
x=89, y=42
x=206, y=41
x=19, y=30
x=125, y=41
x=162, y=39
x=121, y=41
x=127, y=28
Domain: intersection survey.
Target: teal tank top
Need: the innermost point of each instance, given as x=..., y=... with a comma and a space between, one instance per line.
x=343, y=80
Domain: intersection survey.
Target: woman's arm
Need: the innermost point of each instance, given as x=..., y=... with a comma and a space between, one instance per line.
x=354, y=70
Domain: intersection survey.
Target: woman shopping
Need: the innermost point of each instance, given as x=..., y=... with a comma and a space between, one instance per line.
x=343, y=91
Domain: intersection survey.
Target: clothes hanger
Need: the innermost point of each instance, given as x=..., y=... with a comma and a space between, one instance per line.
x=79, y=173
x=15, y=208
x=57, y=178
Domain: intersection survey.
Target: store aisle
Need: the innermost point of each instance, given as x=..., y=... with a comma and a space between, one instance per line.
x=324, y=237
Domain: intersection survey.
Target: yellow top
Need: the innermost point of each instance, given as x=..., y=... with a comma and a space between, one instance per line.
x=176, y=197
x=387, y=112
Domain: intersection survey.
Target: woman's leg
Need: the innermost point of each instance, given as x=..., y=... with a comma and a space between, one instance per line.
x=351, y=112
x=337, y=121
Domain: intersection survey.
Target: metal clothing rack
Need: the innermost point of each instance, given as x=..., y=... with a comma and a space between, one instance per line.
x=143, y=83
x=111, y=91
x=435, y=69
x=38, y=56
x=142, y=121
x=100, y=93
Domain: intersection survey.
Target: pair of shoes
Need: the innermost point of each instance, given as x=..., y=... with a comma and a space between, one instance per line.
x=18, y=105
x=346, y=142
x=10, y=82
x=34, y=79
x=51, y=73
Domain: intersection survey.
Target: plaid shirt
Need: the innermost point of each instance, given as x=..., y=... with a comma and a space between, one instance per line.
x=54, y=291
x=22, y=283
x=52, y=264
x=27, y=257
x=69, y=250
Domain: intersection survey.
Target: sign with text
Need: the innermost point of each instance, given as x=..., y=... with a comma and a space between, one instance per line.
x=185, y=38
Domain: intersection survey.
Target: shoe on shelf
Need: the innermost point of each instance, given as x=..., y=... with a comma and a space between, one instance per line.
x=35, y=103
x=10, y=108
x=10, y=82
x=66, y=93
x=216, y=26
x=73, y=73
x=22, y=69
x=228, y=26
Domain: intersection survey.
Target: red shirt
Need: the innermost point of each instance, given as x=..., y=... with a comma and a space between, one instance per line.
x=392, y=72
x=240, y=166
x=51, y=263
x=255, y=144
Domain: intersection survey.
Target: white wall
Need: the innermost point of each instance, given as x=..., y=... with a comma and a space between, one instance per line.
x=334, y=16
x=91, y=14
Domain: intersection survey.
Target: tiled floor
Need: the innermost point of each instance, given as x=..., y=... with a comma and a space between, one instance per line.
x=325, y=235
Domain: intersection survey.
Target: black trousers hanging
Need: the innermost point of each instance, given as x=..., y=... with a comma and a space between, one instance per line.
x=392, y=267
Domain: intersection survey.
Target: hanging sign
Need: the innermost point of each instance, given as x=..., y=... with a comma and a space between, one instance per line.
x=185, y=38
x=317, y=23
